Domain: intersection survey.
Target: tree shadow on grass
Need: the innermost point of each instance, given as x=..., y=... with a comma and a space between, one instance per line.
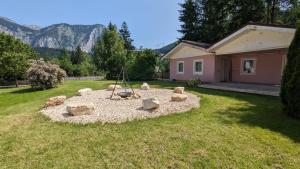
x=26, y=90
x=256, y=111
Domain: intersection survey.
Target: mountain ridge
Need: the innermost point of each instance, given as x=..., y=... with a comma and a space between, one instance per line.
x=56, y=36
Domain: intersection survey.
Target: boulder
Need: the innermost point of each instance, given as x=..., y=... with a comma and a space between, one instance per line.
x=151, y=103
x=80, y=109
x=111, y=87
x=54, y=101
x=179, y=90
x=179, y=97
x=145, y=86
x=85, y=91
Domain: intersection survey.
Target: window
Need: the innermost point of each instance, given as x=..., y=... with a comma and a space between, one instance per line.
x=198, y=66
x=180, y=67
x=248, y=66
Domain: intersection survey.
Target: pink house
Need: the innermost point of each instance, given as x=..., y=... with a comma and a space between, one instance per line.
x=254, y=54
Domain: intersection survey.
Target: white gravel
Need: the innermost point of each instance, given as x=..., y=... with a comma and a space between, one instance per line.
x=119, y=111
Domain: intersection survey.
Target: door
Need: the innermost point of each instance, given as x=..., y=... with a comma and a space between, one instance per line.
x=225, y=70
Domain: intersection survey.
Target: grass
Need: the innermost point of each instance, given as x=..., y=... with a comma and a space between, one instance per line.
x=230, y=130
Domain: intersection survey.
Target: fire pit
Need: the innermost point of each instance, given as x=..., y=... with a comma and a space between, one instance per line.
x=125, y=94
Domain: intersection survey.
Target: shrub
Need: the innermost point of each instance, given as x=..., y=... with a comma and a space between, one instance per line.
x=143, y=67
x=193, y=83
x=290, y=86
x=45, y=75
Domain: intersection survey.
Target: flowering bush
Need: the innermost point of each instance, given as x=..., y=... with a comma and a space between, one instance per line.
x=193, y=83
x=45, y=75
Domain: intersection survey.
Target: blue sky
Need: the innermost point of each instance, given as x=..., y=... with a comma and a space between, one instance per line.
x=153, y=23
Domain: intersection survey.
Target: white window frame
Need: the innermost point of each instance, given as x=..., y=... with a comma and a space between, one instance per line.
x=194, y=67
x=242, y=66
x=177, y=67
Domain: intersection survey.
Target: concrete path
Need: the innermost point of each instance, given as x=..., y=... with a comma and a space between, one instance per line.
x=269, y=90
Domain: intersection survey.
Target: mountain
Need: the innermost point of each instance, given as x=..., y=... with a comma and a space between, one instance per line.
x=164, y=50
x=54, y=36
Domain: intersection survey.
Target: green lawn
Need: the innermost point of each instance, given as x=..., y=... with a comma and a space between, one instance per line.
x=230, y=130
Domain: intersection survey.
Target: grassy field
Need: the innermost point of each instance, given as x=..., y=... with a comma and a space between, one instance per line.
x=230, y=130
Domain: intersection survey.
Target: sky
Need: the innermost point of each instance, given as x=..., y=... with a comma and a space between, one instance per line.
x=152, y=23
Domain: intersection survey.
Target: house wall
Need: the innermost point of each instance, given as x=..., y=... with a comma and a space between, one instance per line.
x=269, y=66
x=208, y=68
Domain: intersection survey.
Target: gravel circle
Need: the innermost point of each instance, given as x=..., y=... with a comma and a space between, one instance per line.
x=119, y=111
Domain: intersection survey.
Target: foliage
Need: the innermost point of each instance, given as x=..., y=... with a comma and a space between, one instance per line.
x=77, y=56
x=45, y=75
x=291, y=14
x=162, y=66
x=290, y=86
x=14, y=57
x=109, y=54
x=193, y=83
x=211, y=20
x=125, y=34
x=77, y=64
x=189, y=18
x=65, y=62
x=143, y=66
x=47, y=53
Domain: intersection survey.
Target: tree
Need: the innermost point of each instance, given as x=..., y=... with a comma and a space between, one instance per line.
x=109, y=53
x=64, y=60
x=77, y=56
x=291, y=13
x=45, y=75
x=14, y=57
x=189, y=18
x=213, y=20
x=290, y=86
x=143, y=67
x=244, y=11
x=162, y=65
x=125, y=34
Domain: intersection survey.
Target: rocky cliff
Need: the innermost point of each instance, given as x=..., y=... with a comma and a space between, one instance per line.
x=55, y=36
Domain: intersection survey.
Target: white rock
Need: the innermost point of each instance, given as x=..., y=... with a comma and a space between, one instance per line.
x=111, y=87
x=179, y=90
x=145, y=86
x=151, y=103
x=54, y=101
x=85, y=91
x=80, y=109
x=179, y=97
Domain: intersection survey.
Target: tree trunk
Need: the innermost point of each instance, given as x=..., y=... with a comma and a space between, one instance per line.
x=268, y=11
x=273, y=11
x=16, y=80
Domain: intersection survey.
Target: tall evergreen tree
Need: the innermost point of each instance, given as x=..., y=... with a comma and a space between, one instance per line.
x=290, y=86
x=65, y=61
x=125, y=34
x=213, y=20
x=244, y=11
x=189, y=18
x=77, y=56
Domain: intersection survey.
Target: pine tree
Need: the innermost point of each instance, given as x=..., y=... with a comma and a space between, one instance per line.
x=213, y=19
x=65, y=61
x=125, y=34
x=77, y=56
x=244, y=11
x=290, y=86
x=189, y=18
